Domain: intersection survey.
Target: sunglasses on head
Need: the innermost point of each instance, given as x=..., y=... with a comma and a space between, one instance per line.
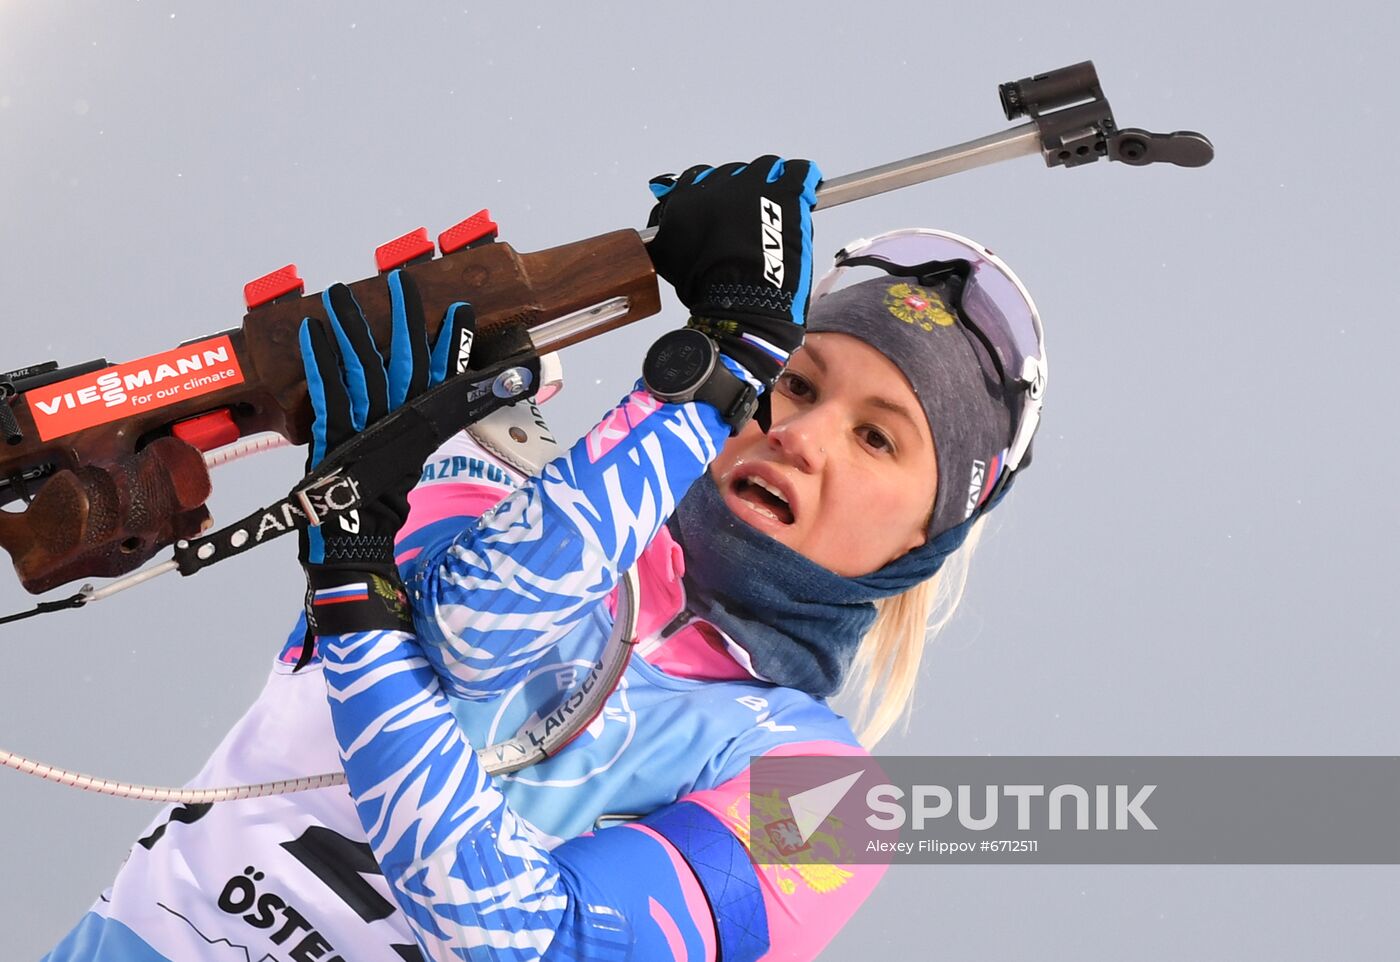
x=991, y=303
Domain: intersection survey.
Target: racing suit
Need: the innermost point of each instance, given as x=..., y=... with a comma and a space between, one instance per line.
x=513, y=581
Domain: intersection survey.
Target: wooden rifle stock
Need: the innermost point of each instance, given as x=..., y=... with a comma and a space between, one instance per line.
x=110, y=494
x=106, y=497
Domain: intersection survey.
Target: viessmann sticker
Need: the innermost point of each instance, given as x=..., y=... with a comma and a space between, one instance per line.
x=120, y=391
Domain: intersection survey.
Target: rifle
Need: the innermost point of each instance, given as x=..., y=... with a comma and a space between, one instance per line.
x=112, y=459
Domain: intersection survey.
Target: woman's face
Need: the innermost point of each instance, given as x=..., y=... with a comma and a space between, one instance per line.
x=847, y=474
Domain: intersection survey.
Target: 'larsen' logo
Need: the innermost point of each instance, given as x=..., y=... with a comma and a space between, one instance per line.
x=772, y=221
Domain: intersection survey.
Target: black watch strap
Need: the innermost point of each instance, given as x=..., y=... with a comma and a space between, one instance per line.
x=736, y=399
x=685, y=366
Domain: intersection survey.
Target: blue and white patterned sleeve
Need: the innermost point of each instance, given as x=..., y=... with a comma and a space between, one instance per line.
x=473, y=880
x=493, y=599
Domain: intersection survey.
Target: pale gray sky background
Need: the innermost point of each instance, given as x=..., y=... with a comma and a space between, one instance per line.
x=1201, y=561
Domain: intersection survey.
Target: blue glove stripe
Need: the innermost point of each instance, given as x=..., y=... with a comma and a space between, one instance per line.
x=354, y=370
x=702, y=175
x=400, y=349
x=776, y=170
x=437, y=361
x=804, y=282
x=315, y=546
x=446, y=344
x=316, y=388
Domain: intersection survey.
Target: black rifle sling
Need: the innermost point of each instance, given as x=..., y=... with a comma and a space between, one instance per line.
x=363, y=467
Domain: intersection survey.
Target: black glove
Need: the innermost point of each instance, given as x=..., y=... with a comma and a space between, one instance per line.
x=736, y=243
x=352, y=582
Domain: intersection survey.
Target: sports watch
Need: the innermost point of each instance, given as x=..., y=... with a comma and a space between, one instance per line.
x=684, y=366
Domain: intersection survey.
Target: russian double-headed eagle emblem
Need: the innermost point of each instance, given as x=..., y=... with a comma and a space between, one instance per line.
x=918, y=305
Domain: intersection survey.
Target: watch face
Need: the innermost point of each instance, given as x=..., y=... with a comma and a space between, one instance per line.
x=679, y=363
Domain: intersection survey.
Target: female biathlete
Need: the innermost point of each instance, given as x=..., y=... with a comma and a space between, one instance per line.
x=447, y=617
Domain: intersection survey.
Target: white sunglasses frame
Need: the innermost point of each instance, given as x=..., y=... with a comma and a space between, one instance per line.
x=1034, y=371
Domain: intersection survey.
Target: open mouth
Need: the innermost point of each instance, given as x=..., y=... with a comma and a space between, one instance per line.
x=764, y=498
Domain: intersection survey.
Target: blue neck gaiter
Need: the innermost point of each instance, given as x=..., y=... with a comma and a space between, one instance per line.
x=799, y=622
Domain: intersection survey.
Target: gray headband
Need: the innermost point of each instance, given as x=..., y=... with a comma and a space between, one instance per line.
x=947, y=367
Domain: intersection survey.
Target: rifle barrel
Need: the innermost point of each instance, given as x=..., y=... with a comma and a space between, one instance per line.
x=994, y=148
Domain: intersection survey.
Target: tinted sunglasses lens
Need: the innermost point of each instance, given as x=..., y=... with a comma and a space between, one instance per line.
x=992, y=300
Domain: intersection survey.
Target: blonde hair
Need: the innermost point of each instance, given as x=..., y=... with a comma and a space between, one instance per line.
x=886, y=666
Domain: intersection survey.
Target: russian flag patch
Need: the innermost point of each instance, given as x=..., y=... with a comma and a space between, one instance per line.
x=334, y=596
